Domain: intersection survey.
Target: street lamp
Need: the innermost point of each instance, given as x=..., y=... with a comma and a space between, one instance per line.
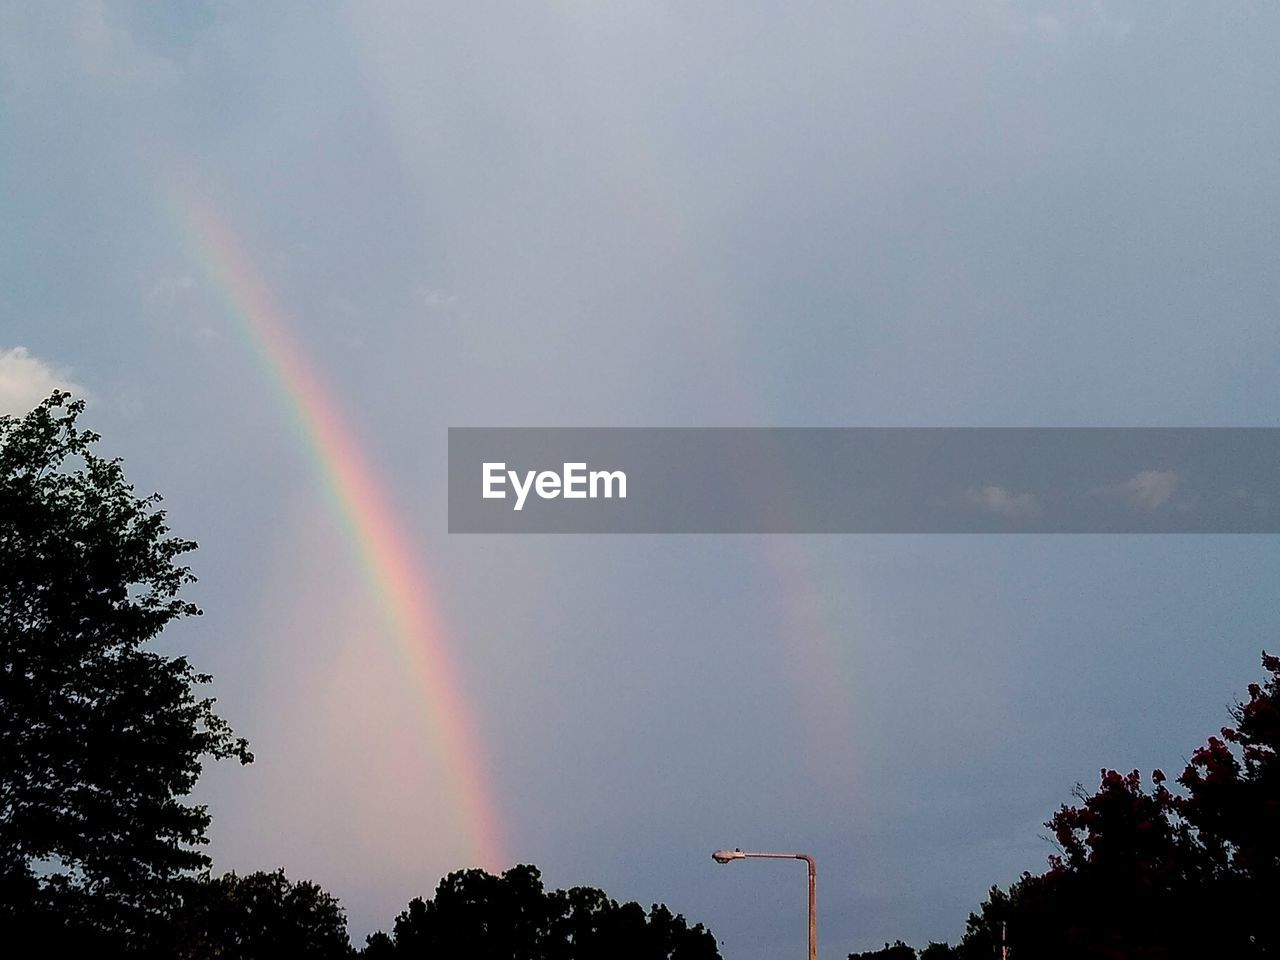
x=727, y=856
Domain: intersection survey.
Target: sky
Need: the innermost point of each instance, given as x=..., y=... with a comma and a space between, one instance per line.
x=281, y=248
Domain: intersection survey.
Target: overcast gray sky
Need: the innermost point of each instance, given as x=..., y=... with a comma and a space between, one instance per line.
x=721, y=214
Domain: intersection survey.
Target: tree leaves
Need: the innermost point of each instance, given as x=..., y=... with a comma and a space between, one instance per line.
x=478, y=915
x=101, y=738
x=1161, y=873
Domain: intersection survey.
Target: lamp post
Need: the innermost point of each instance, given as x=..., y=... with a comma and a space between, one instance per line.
x=727, y=856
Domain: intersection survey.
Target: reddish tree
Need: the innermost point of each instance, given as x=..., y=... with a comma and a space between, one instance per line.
x=1154, y=873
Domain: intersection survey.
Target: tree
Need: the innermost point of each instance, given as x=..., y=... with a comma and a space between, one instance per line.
x=984, y=929
x=260, y=916
x=891, y=951
x=475, y=914
x=1232, y=802
x=1159, y=873
x=101, y=737
x=378, y=946
x=938, y=951
x=1119, y=882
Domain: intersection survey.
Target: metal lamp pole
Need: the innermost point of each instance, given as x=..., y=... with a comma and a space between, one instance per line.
x=727, y=856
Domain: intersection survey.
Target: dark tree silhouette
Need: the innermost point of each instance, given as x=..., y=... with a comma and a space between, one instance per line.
x=1176, y=873
x=260, y=916
x=939, y=951
x=1232, y=803
x=891, y=951
x=378, y=946
x=1158, y=873
x=901, y=951
x=1118, y=884
x=480, y=916
x=101, y=738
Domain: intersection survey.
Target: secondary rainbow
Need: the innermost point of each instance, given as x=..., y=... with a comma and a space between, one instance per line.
x=400, y=583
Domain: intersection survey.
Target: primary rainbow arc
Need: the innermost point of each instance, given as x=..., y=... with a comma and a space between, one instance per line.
x=399, y=582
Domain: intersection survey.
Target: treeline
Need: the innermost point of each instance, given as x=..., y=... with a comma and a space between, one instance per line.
x=265, y=916
x=473, y=914
x=1188, y=870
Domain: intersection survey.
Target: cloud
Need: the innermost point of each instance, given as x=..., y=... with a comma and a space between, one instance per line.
x=26, y=380
x=1004, y=503
x=1146, y=490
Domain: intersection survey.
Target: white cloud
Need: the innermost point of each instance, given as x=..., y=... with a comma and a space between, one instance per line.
x=1146, y=490
x=26, y=380
x=1004, y=503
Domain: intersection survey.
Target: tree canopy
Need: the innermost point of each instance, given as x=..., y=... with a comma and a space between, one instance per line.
x=512, y=917
x=891, y=951
x=259, y=916
x=101, y=737
x=1188, y=870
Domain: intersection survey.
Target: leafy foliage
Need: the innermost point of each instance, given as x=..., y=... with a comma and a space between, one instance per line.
x=260, y=916
x=511, y=917
x=101, y=738
x=1159, y=873
x=901, y=951
x=891, y=951
x=939, y=951
x=1188, y=872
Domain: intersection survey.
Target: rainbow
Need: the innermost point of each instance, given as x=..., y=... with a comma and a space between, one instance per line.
x=399, y=583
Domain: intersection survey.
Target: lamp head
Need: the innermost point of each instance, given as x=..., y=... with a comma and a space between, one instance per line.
x=724, y=856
